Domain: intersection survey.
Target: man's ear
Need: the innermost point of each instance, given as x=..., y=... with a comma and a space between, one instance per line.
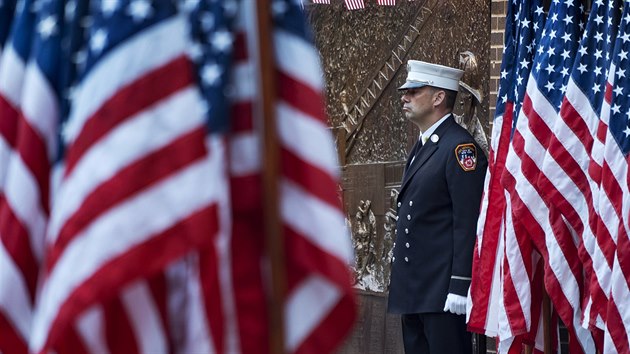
x=438, y=97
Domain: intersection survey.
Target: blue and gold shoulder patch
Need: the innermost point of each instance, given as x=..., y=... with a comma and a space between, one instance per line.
x=466, y=156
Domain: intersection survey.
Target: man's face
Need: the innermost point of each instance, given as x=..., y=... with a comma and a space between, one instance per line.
x=418, y=104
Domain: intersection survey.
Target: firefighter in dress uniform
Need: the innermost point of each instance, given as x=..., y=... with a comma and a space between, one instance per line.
x=438, y=207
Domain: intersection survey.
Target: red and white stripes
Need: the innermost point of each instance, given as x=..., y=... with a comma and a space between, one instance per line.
x=483, y=313
x=317, y=253
x=132, y=151
x=550, y=235
x=355, y=4
x=27, y=142
x=153, y=243
x=576, y=193
x=614, y=202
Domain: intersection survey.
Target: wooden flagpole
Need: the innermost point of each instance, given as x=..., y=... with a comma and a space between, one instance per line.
x=546, y=318
x=273, y=229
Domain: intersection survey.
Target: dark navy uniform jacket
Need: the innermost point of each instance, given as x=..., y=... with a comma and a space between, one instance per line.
x=438, y=207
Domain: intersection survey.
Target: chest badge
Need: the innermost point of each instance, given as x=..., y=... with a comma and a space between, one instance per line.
x=466, y=156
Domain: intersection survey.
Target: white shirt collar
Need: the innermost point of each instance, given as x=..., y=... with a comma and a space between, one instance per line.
x=425, y=135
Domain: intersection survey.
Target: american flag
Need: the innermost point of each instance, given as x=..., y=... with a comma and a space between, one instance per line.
x=551, y=237
x=614, y=178
x=142, y=117
x=566, y=164
x=312, y=220
x=134, y=151
x=496, y=229
x=566, y=172
x=486, y=271
x=321, y=1
x=27, y=142
x=355, y=4
x=522, y=268
x=386, y=2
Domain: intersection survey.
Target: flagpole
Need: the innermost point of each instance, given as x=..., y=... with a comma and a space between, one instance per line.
x=273, y=230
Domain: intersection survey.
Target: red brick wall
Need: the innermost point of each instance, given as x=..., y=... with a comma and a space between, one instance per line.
x=497, y=27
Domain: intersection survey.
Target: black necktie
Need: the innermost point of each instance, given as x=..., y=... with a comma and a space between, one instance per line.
x=413, y=153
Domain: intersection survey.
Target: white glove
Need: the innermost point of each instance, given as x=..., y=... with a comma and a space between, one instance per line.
x=455, y=304
x=468, y=305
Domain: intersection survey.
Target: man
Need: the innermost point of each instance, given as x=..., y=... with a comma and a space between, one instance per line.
x=438, y=206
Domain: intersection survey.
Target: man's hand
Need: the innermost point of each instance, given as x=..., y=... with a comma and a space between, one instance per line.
x=455, y=304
